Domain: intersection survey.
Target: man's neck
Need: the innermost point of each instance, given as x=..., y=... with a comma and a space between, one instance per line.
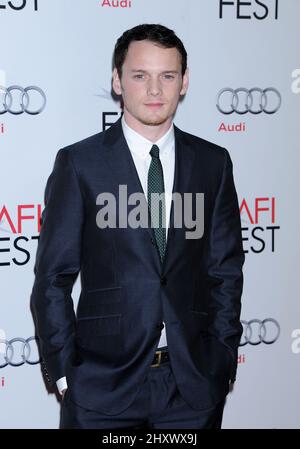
x=152, y=133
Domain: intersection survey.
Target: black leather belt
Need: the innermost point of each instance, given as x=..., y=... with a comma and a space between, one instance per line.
x=161, y=356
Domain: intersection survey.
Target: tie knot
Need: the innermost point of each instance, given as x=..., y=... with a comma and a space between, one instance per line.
x=154, y=151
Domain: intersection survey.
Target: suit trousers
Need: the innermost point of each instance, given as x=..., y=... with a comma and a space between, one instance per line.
x=158, y=405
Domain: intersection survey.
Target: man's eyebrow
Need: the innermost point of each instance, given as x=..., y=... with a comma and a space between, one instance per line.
x=145, y=71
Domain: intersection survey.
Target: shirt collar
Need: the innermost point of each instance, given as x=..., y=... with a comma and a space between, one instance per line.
x=142, y=146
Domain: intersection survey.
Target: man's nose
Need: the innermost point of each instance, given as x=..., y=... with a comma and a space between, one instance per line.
x=154, y=87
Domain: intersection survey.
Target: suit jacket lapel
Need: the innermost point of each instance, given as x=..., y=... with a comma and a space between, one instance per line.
x=122, y=165
x=184, y=162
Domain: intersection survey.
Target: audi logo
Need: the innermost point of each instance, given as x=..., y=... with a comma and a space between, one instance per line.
x=9, y=94
x=253, y=100
x=256, y=332
x=17, y=351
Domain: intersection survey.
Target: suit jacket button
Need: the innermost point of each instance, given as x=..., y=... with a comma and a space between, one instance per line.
x=160, y=326
x=163, y=280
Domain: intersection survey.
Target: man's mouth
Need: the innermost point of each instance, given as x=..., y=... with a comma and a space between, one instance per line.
x=154, y=105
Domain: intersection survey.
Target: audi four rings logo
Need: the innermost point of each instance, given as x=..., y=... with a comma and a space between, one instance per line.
x=17, y=351
x=260, y=331
x=22, y=97
x=253, y=100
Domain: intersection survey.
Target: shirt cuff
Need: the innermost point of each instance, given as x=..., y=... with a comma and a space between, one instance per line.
x=61, y=384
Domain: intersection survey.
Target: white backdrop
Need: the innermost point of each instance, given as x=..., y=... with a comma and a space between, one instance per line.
x=65, y=49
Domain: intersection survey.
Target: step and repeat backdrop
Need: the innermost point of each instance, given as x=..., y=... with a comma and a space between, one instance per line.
x=55, y=89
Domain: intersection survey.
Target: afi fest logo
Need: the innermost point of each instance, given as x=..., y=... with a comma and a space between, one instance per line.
x=259, y=225
x=17, y=5
x=296, y=83
x=255, y=9
x=19, y=232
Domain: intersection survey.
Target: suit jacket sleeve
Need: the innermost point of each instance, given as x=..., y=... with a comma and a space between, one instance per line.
x=57, y=266
x=224, y=259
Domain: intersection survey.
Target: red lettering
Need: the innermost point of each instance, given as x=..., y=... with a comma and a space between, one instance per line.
x=222, y=127
x=6, y=214
x=273, y=210
x=244, y=205
x=17, y=228
x=239, y=127
x=258, y=208
x=23, y=217
x=117, y=3
x=39, y=212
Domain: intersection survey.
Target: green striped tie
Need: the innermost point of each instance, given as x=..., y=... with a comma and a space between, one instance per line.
x=157, y=209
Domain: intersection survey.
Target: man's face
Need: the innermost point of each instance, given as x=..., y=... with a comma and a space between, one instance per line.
x=151, y=83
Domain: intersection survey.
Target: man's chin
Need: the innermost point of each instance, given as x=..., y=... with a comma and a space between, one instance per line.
x=154, y=122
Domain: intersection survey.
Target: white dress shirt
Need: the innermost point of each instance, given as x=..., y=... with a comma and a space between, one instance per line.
x=140, y=148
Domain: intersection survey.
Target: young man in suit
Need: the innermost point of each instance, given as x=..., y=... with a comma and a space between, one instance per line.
x=154, y=340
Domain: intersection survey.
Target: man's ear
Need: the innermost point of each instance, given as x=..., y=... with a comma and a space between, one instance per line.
x=185, y=82
x=116, y=83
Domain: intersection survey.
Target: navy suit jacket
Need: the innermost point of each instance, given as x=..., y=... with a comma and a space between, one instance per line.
x=105, y=347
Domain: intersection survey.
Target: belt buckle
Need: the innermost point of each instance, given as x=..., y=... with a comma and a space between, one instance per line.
x=156, y=365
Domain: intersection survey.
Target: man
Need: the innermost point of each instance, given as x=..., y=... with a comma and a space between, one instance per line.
x=143, y=288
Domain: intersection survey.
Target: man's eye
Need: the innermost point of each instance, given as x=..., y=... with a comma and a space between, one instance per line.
x=169, y=77
x=139, y=76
